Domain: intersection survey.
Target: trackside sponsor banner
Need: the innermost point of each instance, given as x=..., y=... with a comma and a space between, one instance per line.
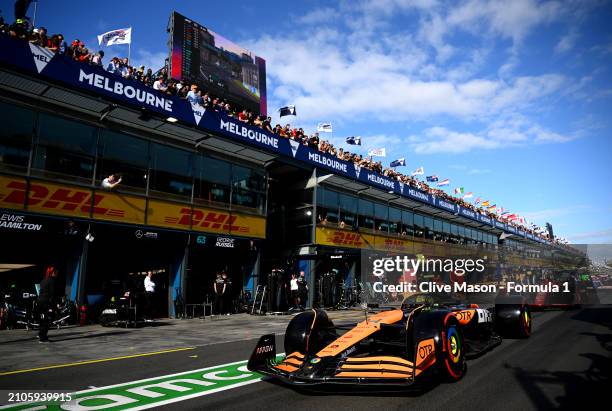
x=60, y=69
x=154, y=392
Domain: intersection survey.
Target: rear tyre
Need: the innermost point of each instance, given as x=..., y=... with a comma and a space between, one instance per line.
x=524, y=330
x=513, y=321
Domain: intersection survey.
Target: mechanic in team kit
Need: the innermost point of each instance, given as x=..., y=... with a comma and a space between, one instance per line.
x=219, y=287
x=294, y=289
x=46, y=299
x=302, y=291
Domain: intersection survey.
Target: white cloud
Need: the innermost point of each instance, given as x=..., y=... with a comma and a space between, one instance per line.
x=547, y=214
x=375, y=73
x=324, y=79
x=510, y=19
x=546, y=136
x=475, y=171
x=566, y=42
x=432, y=31
x=593, y=236
x=442, y=140
x=321, y=15
x=506, y=131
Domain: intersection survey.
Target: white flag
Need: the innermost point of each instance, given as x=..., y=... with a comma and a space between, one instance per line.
x=119, y=36
x=324, y=127
x=378, y=152
x=419, y=171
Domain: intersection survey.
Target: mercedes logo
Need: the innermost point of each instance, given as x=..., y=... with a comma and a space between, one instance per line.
x=138, y=233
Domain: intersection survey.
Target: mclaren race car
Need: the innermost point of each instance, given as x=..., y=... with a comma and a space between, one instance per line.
x=429, y=336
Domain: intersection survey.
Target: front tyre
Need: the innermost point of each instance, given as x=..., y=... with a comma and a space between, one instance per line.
x=309, y=332
x=452, y=357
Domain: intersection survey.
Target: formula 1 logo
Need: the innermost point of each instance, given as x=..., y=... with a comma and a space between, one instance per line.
x=342, y=238
x=207, y=219
x=66, y=199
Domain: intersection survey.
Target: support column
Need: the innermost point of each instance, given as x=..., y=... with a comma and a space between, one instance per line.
x=308, y=266
x=351, y=278
x=79, y=275
x=252, y=280
x=176, y=283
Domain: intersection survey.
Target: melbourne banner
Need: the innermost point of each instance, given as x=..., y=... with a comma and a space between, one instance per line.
x=26, y=57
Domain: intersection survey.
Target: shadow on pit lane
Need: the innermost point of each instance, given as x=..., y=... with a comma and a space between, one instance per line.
x=605, y=340
x=599, y=314
x=106, y=334
x=34, y=336
x=359, y=390
x=157, y=324
x=590, y=386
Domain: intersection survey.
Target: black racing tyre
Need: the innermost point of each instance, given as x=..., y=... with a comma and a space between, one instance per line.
x=524, y=329
x=309, y=332
x=513, y=320
x=452, y=366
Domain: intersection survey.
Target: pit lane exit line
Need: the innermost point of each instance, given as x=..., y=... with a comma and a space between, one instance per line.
x=72, y=364
x=154, y=392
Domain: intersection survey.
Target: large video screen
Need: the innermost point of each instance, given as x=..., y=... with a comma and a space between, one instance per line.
x=201, y=56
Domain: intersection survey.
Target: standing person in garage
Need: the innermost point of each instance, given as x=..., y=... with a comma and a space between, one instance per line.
x=302, y=291
x=228, y=303
x=46, y=298
x=149, y=286
x=219, y=287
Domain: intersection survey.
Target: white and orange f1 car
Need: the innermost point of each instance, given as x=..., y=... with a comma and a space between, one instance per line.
x=429, y=336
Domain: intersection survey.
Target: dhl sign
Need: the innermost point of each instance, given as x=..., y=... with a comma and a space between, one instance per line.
x=344, y=238
x=393, y=244
x=70, y=200
x=341, y=238
x=171, y=215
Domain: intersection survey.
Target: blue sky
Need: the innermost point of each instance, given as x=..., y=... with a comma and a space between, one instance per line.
x=511, y=100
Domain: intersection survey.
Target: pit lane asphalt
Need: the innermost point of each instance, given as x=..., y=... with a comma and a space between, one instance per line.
x=566, y=362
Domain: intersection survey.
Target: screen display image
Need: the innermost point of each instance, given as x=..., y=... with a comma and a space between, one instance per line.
x=201, y=56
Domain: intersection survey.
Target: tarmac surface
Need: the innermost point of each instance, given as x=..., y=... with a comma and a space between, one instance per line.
x=566, y=363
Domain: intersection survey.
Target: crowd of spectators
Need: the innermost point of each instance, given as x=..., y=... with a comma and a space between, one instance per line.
x=160, y=81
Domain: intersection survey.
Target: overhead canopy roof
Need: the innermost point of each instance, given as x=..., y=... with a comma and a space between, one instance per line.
x=95, y=106
x=353, y=187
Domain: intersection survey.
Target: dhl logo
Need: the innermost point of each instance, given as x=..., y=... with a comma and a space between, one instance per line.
x=58, y=199
x=207, y=219
x=342, y=238
x=392, y=244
